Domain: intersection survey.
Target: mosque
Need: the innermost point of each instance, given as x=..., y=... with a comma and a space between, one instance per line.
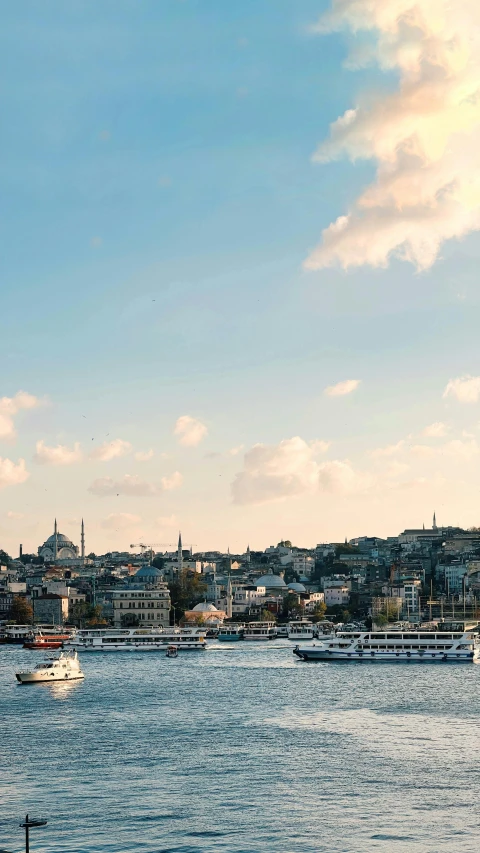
x=59, y=549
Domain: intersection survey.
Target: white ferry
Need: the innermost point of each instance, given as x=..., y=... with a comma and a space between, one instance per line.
x=302, y=629
x=64, y=667
x=137, y=639
x=231, y=633
x=260, y=631
x=281, y=631
x=396, y=646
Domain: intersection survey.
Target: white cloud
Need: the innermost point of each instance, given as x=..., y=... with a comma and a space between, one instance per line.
x=461, y=450
x=12, y=474
x=120, y=520
x=111, y=450
x=174, y=481
x=423, y=451
x=167, y=521
x=129, y=484
x=341, y=478
x=342, y=388
x=15, y=516
x=289, y=469
x=466, y=389
x=190, y=431
x=389, y=450
x=10, y=406
x=436, y=430
x=144, y=455
x=59, y=455
x=424, y=137
x=234, y=451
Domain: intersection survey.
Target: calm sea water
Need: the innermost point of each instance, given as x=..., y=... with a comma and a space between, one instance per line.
x=241, y=749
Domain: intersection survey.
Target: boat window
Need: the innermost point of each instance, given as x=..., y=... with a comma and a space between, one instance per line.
x=427, y=636
x=392, y=636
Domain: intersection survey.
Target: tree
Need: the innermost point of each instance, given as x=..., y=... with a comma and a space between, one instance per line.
x=91, y=556
x=21, y=611
x=381, y=619
x=267, y=616
x=186, y=591
x=291, y=606
x=319, y=610
x=158, y=561
x=5, y=558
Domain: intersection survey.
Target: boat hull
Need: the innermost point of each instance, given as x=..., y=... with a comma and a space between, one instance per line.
x=151, y=647
x=37, y=678
x=316, y=654
x=231, y=638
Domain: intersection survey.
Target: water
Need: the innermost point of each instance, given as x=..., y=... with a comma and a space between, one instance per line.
x=241, y=749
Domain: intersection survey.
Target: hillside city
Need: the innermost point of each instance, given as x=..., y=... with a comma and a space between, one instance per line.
x=419, y=574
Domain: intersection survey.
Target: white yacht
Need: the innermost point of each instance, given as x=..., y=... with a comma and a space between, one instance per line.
x=395, y=646
x=137, y=639
x=302, y=629
x=62, y=667
x=231, y=633
x=260, y=631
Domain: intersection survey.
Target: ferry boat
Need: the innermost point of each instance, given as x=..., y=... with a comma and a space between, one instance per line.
x=281, y=632
x=64, y=667
x=231, y=633
x=136, y=639
x=53, y=639
x=302, y=629
x=396, y=646
x=260, y=631
x=15, y=634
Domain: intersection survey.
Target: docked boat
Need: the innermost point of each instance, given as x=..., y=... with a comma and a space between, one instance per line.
x=50, y=639
x=172, y=652
x=137, y=639
x=64, y=667
x=396, y=646
x=231, y=633
x=302, y=629
x=260, y=631
x=281, y=631
x=15, y=634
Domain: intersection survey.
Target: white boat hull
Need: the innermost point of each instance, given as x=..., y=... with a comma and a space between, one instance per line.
x=34, y=677
x=137, y=647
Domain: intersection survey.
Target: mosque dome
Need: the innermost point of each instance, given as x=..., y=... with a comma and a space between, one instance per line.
x=148, y=572
x=203, y=607
x=62, y=541
x=297, y=587
x=271, y=582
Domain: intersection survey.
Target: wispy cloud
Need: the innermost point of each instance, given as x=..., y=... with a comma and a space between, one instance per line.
x=133, y=486
x=436, y=430
x=120, y=520
x=190, y=431
x=174, y=481
x=111, y=450
x=144, y=455
x=58, y=455
x=466, y=389
x=11, y=473
x=15, y=516
x=425, y=137
x=342, y=388
x=10, y=406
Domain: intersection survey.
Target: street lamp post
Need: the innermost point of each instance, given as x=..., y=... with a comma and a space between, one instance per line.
x=27, y=826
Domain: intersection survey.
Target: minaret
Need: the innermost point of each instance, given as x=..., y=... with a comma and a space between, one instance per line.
x=82, y=540
x=55, y=546
x=180, y=553
x=248, y=554
x=434, y=522
x=229, y=586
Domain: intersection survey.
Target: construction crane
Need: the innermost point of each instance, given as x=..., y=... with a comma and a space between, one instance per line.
x=143, y=547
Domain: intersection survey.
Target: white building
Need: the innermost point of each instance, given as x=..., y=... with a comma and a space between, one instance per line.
x=336, y=595
x=454, y=575
x=149, y=607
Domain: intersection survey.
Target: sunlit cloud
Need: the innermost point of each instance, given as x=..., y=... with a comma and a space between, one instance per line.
x=342, y=388
x=10, y=406
x=465, y=389
x=424, y=137
x=111, y=450
x=174, y=481
x=58, y=455
x=120, y=520
x=15, y=516
x=11, y=473
x=144, y=455
x=436, y=430
x=129, y=485
x=190, y=431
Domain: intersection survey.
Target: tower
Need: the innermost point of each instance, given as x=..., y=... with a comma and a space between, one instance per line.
x=434, y=526
x=180, y=553
x=248, y=554
x=55, y=545
x=82, y=542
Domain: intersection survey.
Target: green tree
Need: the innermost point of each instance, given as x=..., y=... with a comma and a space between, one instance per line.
x=158, y=561
x=20, y=612
x=267, y=616
x=187, y=590
x=381, y=620
x=319, y=611
x=5, y=558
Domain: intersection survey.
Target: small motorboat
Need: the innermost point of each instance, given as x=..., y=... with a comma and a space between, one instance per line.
x=62, y=667
x=172, y=652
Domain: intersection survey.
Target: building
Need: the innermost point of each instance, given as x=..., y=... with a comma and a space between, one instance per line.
x=50, y=609
x=58, y=548
x=336, y=595
x=205, y=613
x=145, y=606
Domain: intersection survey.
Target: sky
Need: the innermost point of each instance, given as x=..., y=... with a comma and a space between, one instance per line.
x=239, y=270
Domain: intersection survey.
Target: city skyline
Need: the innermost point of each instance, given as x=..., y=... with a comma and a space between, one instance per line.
x=182, y=347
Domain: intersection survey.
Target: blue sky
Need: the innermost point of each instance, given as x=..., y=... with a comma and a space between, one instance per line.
x=158, y=203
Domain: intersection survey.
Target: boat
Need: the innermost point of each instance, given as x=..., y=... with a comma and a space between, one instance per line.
x=136, y=639
x=172, y=652
x=231, y=633
x=302, y=629
x=395, y=646
x=281, y=631
x=260, y=631
x=62, y=667
x=15, y=634
x=51, y=639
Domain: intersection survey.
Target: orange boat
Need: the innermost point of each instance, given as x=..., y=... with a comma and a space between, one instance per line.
x=46, y=641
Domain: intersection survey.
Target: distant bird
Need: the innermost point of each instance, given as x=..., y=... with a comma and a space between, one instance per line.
x=84, y=416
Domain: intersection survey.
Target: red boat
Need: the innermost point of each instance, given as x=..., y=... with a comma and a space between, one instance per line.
x=46, y=641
